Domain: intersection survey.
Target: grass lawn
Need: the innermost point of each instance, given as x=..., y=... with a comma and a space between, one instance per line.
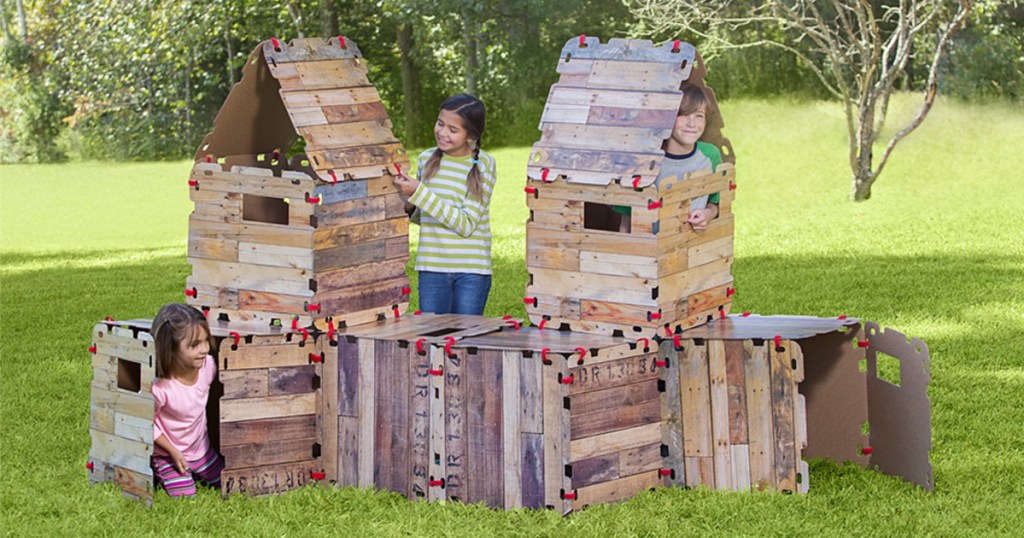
x=938, y=254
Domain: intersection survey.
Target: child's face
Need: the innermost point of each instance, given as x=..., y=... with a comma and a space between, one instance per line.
x=452, y=138
x=689, y=128
x=193, y=349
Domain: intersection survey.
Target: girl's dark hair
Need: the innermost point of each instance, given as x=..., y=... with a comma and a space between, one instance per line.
x=474, y=118
x=175, y=322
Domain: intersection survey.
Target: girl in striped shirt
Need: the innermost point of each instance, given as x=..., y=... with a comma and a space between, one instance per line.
x=450, y=200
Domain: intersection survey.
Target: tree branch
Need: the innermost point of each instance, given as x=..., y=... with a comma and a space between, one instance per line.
x=932, y=86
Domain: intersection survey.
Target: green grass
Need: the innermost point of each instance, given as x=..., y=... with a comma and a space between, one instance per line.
x=938, y=254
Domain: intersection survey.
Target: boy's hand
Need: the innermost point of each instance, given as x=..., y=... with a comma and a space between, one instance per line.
x=699, y=218
x=405, y=185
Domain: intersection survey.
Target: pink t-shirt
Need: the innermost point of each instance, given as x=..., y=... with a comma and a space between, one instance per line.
x=180, y=412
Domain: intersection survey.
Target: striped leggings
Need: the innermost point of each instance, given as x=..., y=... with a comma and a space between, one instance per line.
x=207, y=469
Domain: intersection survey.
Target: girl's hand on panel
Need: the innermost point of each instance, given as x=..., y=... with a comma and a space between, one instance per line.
x=406, y=185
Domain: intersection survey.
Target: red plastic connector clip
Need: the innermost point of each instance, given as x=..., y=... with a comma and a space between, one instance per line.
x=92, y=349
x=237, y=337
x=316, y=358
x=863, y=343
x=89, y=466
x=434, y=372
x=276, y=44
x=842, y=316
x=334, y=177
x=193, y=183
x=654, y=205
x=295, y=323
x=732, y=186
x=665, y=472
x=544, y=174
x=567, y=380
x=305, y=334
x=569, y=496
x=513, y=323
x=398, y=167
x=583, y=40
x=448, y=346
x=866, y=450
x=406, y=290
x=543, y=322
x=436, y=483
x=636, y=182
x=675, y=45
x=315, y=307
x=191, y=292
x=544, y=356
x=341, y=42
x=530, y=190
x=778, y=342
x=419, y=346
x=530, y=301
x=653, y=315
x=317, y=476
x=729, y=292
x=418, y=312
x=675, y=341
x=647, y=344
x=746, y=314
x=583, y=355
x=313, y=199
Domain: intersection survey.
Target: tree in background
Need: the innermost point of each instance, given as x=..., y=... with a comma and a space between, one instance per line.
x=858, y=50
x=31, y=109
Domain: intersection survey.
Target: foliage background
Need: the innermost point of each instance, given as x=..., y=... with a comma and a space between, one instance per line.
x=143, y=79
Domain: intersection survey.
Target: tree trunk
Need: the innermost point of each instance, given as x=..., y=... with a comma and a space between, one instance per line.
x=328, y=19
x=229, y=45
x=22, y=26
x=296, y=13
x=862, y=182
x=410, y=87
x=470, y=29
x=188, y=99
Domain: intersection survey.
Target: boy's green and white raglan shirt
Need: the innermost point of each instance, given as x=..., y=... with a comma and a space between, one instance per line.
x=455, y=230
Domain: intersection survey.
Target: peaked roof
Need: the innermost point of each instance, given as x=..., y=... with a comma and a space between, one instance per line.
x=315, y=90
x=613, y=107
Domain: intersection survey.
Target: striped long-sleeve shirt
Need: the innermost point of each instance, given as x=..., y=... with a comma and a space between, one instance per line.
x=455, y=230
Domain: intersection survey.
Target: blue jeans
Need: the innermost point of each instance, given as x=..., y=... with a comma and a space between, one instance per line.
x=453, y=293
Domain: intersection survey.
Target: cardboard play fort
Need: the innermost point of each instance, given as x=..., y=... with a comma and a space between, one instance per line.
x=262, y=413
x=747, y=398
x=511, y=417
x=298, y=244
x=295, y=213
x=603, y=128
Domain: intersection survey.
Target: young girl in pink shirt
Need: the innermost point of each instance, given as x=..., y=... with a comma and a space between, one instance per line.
x=184, y=370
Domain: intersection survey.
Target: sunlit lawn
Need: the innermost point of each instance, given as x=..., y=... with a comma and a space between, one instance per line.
x=938, y=253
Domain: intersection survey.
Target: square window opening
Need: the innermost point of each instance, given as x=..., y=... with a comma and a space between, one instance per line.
x=264, y=209
x=608, y=218
x=129, y=375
